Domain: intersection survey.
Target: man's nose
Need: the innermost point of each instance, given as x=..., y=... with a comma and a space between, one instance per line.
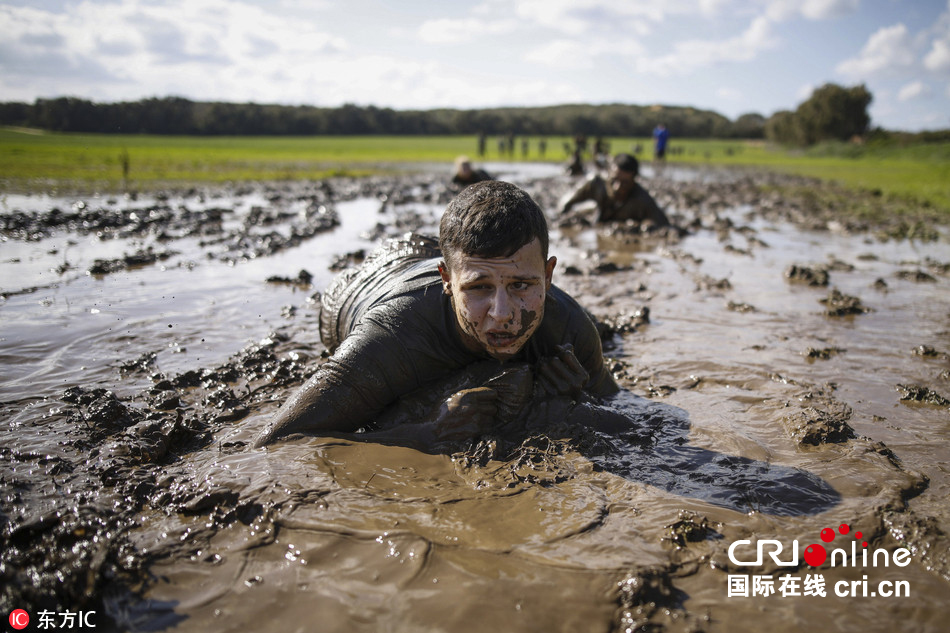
x=501, y=307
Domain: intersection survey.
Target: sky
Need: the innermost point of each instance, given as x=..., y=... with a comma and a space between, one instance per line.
x=730, y=56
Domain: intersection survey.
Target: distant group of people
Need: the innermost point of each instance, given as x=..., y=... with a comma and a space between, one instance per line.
x=617, y=194
x=506, y=146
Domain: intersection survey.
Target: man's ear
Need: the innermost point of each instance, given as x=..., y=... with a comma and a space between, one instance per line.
x=446, y=278
x=549, y=272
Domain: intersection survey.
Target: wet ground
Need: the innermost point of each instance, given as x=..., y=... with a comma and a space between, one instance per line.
x=784, y=371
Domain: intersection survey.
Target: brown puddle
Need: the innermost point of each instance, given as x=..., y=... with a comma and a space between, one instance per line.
x=760, y=404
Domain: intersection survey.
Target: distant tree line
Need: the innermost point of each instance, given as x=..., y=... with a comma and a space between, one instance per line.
x=832, y=112
x=174, y=115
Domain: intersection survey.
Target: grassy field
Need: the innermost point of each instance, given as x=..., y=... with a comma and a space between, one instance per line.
x=34, y=161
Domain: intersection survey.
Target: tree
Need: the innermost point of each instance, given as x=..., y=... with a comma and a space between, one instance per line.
x=835, y=113
x=781, y=127
x=831, y=113
x=749, y=125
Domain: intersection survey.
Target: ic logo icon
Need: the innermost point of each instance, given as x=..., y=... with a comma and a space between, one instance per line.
x=19, y=619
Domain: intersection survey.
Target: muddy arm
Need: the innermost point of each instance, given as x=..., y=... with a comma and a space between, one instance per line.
x=589, y=351
x=367, y=372
x=320, y=405
x=653, y=214
x=584, y=192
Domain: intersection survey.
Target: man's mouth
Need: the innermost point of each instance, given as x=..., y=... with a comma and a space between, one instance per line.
x=500, y=339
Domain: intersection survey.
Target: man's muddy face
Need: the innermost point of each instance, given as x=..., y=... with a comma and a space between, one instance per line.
x=620, y=181
x=499, y=301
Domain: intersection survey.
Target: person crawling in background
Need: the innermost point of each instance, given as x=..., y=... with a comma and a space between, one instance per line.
x=467, y=174
x=417, y=310
x=620, y=197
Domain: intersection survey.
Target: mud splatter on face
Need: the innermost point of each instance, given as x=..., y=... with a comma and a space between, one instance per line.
x=499, y=302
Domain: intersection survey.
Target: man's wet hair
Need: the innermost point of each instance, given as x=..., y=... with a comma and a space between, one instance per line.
x=491, y=219
x=626, y=162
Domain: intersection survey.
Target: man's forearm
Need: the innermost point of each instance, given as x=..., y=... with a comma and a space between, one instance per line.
x=315, y=407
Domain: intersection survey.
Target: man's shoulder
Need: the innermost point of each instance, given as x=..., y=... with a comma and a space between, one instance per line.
x=562, y=311
x=595, y=186
x=641, y=192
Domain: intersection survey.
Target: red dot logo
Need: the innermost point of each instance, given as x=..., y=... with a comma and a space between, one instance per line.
x=815, y=555
x=827, y=535
x=19, y=619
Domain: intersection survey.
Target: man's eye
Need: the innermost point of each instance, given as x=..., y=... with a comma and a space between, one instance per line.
x=521, y=285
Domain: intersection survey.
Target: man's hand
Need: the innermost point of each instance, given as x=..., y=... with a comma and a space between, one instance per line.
x=467, y=413
x=563, y=374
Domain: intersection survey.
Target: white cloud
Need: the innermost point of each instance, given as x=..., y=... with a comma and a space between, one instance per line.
x=454, y=31
x=730, y=94
x=938, y=59
x=577, y=18
x=824, y=9
x=912, y=91
x=203, y=47
x=781, y=10
x=580, y=54
x=887, y=49
x=567, y=54
x=690, y=55
x=713, y=7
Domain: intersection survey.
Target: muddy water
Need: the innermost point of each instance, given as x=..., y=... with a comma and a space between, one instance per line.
x=755, y=406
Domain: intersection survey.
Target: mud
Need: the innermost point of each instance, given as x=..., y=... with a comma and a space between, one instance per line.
x=148, y=339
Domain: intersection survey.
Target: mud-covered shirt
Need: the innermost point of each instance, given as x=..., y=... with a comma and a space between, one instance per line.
x=639, y=205
x=391, y=330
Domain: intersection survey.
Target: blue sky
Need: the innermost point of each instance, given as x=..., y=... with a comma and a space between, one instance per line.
x=731, y=56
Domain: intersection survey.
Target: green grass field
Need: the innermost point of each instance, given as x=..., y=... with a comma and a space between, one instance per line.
x=34, y=161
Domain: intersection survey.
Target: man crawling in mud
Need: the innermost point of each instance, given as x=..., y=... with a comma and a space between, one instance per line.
x=620, y=197
x=416, y=311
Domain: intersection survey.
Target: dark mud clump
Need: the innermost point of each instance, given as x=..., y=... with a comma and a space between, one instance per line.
x=917, y=393
x=811, y=276
x=823, y=353
x=928, y=351
x=347, y=260
x=74, y=558
x=617, y=325
x=303, y=278
x=838, y=304
x=690, y=528
x=741, y=307
x=142, y=257
x=824, y=423
x=918, y=276
x=648, y=601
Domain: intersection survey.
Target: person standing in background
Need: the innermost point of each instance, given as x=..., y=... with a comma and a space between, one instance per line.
x=660, y=138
